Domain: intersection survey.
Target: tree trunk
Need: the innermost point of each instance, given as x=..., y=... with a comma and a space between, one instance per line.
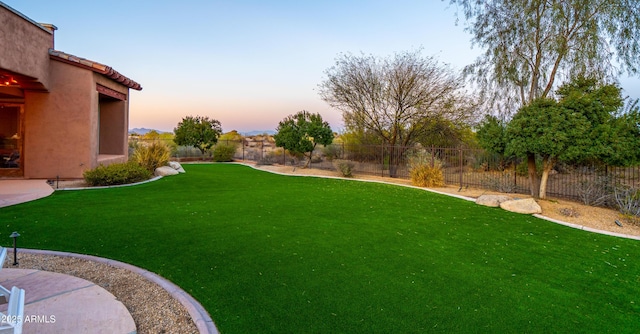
x=547, y=164
x=306, y=165
x=393, y=164
x=534, y=182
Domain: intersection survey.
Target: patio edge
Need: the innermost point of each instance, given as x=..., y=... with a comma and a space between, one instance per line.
x=198, y=314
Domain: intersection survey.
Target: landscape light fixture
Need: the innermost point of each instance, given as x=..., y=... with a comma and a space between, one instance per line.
x=15, y=236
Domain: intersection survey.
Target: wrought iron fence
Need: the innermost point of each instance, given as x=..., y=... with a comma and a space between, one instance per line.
x=462, y=167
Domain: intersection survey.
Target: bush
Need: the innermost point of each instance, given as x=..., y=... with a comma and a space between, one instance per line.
x=332, y=152
x=115, y=174
x=152, y=155
x=224, y=152
x=426, y=170
x=272, y=157
x=499, y=181
x=628, y=201
x=596, y=192
x=344, y=166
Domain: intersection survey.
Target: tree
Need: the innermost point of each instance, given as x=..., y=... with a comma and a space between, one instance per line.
x=580, y=126
x=441, y=132
x=528, y=44
x=300, y=133
x=625, y=137
x=491, y=134
x=397, y=97
x=200, y=132
x=547, y=129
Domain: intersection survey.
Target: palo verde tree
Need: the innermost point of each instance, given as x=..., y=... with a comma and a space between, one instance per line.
x=529, y=45
x=200, y=132
x=300, y=133
x=397, y=98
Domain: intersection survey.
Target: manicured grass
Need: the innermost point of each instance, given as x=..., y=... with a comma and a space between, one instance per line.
x=269, y=253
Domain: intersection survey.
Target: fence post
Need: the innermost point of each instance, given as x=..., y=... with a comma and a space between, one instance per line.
x=382, y=169
x=460, y=149
x=515, y=176
x=284, y=157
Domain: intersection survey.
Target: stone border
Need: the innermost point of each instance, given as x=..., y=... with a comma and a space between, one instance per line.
x=198, y=314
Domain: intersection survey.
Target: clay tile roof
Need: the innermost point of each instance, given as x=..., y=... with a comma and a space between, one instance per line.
x=94, y=66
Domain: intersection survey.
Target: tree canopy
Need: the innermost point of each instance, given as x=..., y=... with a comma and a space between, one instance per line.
x=582, y=125
x=491, y=134
x=300, y=133
x=397, y=98
x=200, y=132
x=529, y=45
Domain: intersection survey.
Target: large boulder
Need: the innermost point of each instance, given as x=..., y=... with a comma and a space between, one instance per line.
x=165, y=171
x=177, y=166
x=492, y=200
x=526, y=206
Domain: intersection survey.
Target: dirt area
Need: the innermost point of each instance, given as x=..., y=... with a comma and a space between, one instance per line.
x=563, y=210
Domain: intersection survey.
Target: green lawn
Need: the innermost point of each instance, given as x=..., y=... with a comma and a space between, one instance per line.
x=282, y=254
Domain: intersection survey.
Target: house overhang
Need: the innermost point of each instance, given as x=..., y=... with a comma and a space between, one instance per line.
x=95, y=67
x=16, y=80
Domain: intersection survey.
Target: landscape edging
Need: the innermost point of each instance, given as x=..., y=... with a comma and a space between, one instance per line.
x=199, y=314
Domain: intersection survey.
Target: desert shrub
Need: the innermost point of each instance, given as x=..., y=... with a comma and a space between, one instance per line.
x=499, y=181
x=332, y=152
x=152, y=155
x=115, y=174
x=596, y=192
x=628, y=201
x=425, y=170
x=224, y=152
x=345, y=167
x=272, y=157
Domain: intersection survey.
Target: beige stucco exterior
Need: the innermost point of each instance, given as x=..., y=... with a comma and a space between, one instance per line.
x=73, y=112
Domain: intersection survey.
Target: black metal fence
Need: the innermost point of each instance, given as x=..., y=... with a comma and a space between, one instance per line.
x=462, y=167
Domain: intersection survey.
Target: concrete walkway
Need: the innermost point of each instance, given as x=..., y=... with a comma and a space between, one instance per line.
x=19, y=191
x=57, y=303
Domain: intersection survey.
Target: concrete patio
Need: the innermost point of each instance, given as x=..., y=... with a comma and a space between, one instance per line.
x=57, y=303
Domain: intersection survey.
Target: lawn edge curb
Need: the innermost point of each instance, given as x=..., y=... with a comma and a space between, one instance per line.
x=199, y=315
x=155, y=178
x=556, y=221
x=588, y=229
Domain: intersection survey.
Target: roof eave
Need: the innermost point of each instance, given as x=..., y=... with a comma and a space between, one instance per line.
x=95, y=67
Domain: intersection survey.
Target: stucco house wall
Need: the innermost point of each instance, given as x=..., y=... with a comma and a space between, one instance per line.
x=74, y=112
x=28, y=55
x=58, y=125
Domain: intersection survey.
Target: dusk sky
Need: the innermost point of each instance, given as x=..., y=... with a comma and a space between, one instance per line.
x=246, y=63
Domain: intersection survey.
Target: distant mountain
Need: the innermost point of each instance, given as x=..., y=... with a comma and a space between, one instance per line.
x=258, y=132
x=143, y=131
